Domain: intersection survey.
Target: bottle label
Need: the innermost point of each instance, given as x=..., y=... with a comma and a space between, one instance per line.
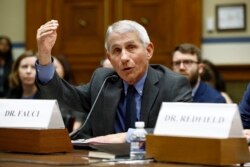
x=138, y=146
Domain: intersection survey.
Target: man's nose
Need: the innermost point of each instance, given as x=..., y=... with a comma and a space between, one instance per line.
x=124, y=55
x=182, y=66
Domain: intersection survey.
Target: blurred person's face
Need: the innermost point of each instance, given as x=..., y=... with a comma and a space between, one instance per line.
x=208, y=73
x=59, y=68
x=187, y=65
x=107, y=63
x=129, y=57
x=27, y=72
x=4, y=46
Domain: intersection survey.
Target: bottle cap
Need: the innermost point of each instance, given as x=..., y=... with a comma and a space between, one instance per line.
x=139, y=124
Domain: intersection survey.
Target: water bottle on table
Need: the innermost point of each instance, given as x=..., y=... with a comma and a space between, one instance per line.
x=138, y=142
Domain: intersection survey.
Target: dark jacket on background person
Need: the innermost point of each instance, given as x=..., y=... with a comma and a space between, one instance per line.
x=244, y=107
x=17, y=94
x=207, y=94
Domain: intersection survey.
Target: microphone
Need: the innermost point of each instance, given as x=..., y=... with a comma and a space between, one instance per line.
x=113, y=78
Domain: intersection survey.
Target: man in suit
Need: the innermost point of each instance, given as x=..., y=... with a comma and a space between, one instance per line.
x=244, y=107
x=186, y=60
x=129, y=50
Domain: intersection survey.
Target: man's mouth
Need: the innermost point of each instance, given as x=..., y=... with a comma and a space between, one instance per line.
x=127, y=69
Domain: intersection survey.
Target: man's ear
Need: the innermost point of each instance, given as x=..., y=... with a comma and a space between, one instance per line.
x=150, y=50
x=108, y=55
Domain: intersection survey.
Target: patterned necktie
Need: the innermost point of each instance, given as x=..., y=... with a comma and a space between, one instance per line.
x=130, y=115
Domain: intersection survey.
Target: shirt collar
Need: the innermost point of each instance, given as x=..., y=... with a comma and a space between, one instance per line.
x=194, y=90
x=138, y=85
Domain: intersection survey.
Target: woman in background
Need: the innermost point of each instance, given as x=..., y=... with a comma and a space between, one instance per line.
x=63, y=69
x=212, y=76
x=22, y=78
x=6, y=61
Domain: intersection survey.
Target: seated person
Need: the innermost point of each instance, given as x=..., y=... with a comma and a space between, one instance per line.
x=186, y=60
x=212, y=76
x=63, y=68
x=106, y=63
x=22, y=78
x=6, y=61
x=129, y=50
x=244, y=107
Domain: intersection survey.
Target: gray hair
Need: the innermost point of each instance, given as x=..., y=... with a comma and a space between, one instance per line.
x=124, y=26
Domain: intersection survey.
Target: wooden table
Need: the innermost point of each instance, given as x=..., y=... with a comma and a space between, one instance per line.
x=75, y=158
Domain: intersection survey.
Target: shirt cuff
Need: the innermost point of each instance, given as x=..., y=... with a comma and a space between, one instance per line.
x=45, y=73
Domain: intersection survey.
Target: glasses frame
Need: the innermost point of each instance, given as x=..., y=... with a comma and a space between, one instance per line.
x=186, y=63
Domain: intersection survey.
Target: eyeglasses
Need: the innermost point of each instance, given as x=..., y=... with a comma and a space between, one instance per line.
x=186, y=63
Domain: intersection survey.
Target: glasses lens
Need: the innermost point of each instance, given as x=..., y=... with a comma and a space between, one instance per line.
x=186, y=63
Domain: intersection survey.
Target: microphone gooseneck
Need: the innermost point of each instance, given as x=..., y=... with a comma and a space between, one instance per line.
x=76, y=132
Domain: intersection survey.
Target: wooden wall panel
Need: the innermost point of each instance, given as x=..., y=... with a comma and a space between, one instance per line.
x=37, y=13
x=81, y=35
x=186, y=22
x=83, y=24
x=154, y=15
x=235, y=72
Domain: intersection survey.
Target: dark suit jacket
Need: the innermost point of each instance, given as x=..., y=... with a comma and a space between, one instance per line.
x=207, y=94
x=17, y=94
x=161, y=85
x=5, y=79
x=244, y=108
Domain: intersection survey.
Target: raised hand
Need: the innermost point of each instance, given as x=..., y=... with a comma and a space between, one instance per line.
x=46, y=38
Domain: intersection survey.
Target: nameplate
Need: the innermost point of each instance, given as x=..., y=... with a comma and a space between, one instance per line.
x=199, y=120
x=32, y=114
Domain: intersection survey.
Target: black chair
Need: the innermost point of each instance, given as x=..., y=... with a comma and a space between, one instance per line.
x=69, y=121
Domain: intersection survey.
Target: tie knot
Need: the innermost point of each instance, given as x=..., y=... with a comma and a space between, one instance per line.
x=131, y=89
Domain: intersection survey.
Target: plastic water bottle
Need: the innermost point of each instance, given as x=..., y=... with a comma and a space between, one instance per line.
x=138, y=142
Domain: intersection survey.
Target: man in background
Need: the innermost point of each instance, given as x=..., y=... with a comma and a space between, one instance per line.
x=186, y=60
x=106, y=63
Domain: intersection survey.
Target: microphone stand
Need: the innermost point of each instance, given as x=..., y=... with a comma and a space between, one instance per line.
x=76, y=132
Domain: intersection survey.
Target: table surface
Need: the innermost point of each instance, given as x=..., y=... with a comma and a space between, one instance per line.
x=75, y=158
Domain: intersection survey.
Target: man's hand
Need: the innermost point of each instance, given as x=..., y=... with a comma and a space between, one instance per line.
x=46, y=38
x=246, y=133
x=113, y=138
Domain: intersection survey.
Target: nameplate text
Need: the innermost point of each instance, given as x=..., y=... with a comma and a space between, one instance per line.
x=21, y=113
x=199, y=120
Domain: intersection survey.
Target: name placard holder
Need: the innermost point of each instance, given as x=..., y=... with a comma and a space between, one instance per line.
x=32, y=126
x=195, y=150
x=198, y=133
x=35, y=140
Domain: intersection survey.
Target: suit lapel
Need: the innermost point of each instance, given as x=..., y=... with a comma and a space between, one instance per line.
x=150, y=92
